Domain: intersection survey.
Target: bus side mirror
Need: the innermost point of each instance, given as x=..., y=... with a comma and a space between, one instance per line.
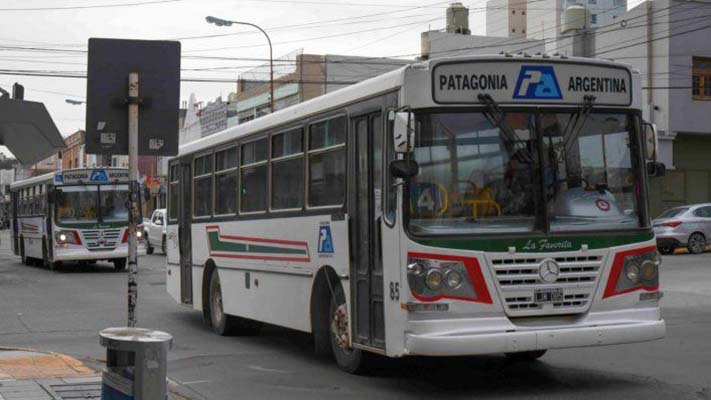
x=651, y=146
x=651, y=141
x=404, y=168
x=655, y=168
x=403, y=132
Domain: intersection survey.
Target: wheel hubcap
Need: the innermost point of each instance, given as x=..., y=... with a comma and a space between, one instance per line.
x=339, y=326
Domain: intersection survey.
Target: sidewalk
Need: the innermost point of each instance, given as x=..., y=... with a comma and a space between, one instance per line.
x=33, y=375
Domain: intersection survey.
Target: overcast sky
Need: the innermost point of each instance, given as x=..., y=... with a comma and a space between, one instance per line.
x=354, y=27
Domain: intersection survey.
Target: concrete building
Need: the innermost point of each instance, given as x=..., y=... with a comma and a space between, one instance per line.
x=506, y=18
x=458, y=41
x=668, y=42
x=544, y=17
x=73, y=156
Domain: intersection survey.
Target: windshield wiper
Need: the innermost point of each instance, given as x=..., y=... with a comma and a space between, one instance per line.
x=576, y=122
x=496, y=118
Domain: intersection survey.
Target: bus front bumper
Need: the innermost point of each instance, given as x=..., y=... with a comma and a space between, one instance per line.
x=516, y=338
x=82, y=254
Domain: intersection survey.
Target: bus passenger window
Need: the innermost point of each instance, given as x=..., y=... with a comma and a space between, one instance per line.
x=173, y=192
x=226, y=181
x=202, y=186
x=288, y=170
x=327, y=162
x=253, y=176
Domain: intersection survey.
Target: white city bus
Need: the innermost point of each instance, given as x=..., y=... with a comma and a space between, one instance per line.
x=452, y=207
x=72, y=215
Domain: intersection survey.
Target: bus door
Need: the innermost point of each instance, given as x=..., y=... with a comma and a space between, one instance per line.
x=366, y=218
x=184, y=233
x=15, y=198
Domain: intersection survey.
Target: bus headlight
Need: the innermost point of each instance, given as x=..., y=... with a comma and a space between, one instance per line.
x=434, y=279
x=454, y=279
x=67, y=237
x=632, y=270
x=139, y=234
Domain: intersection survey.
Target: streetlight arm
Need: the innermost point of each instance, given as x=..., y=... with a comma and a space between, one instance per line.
x=225, y=22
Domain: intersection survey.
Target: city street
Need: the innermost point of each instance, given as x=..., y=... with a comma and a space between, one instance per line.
x=64, y=311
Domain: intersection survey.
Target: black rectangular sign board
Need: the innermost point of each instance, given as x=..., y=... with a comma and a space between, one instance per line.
x=158, y=66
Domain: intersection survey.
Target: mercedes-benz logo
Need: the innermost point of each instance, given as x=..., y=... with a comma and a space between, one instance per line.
x=549, y=270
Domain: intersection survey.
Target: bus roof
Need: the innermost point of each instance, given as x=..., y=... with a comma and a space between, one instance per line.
x=387, y=82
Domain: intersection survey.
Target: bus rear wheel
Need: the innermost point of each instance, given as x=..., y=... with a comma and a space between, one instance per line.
x=119, y=264
x=524, y=356
x=23, y=257
x=225, y=324
x=348, y=359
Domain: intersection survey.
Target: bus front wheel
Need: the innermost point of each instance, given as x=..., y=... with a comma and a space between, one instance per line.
x=149, y=248
x=46, y=263
x=353, y=361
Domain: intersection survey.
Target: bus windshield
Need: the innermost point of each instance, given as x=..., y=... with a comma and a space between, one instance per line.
x=114, y=203
x=524, y=172
x=92, y=203
x=77, y=204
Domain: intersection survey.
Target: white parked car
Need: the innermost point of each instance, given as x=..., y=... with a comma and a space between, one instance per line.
x=155, y=231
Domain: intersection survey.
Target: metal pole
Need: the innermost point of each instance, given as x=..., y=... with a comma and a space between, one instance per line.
x=133, y=182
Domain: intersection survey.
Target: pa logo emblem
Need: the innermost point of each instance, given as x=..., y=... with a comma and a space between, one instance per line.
x=99, y=175
x=325, y=240
x=537, y=82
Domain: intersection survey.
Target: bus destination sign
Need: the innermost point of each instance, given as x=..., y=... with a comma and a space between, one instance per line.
x=92, y=175
x=530, y=82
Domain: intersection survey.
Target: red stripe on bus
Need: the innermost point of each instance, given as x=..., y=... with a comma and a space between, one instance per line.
x=270, y=258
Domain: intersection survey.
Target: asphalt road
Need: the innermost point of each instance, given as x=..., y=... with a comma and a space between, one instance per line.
x=64, y=311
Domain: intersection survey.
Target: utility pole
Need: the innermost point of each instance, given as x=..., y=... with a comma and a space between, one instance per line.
x=133, y=102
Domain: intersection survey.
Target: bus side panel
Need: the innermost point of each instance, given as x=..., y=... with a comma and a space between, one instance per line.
x=32, y=230
x=267, y=266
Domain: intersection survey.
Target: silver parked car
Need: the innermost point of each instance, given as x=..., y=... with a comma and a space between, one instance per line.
x=685, y=226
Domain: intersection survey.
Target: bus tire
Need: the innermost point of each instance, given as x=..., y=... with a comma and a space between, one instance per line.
x=526, y=356
x=25, y=260
x=119, y=264
x=348, y=359
x=46, y=263
x=149, y=248
x=162, y=245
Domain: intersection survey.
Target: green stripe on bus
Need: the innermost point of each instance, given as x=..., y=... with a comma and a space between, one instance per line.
x=539, y=244
x=217, y=245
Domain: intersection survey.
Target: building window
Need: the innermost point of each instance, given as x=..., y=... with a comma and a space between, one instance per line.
x=513, y=12
x=226, y=181
x=327, y=162
x=523, y=12
x=288, y=170
x=202, y=186
x=701, y=78
x=592, y=1
x=513, y=30
x=253, y=176
x=593, y=18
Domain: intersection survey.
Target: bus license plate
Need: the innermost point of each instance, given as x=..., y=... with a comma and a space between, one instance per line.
x=548, y=295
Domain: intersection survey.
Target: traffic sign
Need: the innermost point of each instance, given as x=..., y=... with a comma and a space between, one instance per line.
x=157, y=64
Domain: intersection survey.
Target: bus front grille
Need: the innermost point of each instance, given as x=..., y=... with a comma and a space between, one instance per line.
x=101, y=239
x=519, y=282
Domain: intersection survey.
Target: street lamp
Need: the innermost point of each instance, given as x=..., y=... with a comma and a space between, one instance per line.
x=224, y=22
x=75, y=102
